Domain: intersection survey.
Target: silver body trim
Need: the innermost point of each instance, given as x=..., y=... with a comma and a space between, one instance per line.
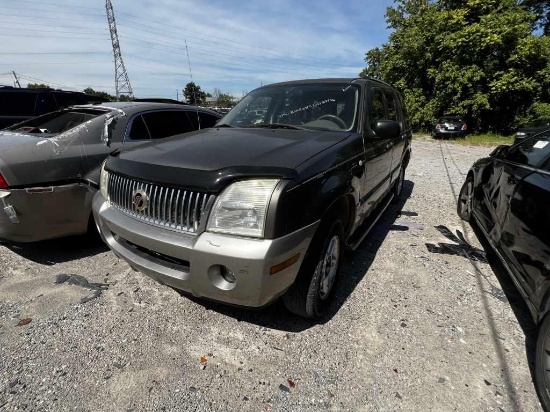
x=191, y=262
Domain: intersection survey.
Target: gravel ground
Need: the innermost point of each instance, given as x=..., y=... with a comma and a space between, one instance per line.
x=421, y=323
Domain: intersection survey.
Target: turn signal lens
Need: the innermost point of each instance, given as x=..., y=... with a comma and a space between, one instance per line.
x=464, y=127
x=437, y=127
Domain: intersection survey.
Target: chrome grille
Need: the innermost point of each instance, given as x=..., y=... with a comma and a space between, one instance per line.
x=167, y=207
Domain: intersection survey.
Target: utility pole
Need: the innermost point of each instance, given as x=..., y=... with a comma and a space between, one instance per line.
x=122, y=82
x=16, y=79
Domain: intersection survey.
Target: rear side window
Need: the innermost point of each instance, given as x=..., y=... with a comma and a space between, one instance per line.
x=17, y=103
x=167, y=123
x=138, y=129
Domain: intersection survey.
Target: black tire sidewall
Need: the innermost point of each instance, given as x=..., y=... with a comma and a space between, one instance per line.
x=465, y=217
x=542, y=390
x=315, y=306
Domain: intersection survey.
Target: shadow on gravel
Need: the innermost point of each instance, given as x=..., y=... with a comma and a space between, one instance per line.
x=356, y=265
x=514, y=297
x=50, y=252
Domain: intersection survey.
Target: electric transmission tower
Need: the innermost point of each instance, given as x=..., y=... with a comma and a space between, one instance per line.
x=122, y=82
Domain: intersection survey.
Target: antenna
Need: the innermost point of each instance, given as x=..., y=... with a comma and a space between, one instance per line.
x=122, y=82
x=194, y=88
x=16, y=79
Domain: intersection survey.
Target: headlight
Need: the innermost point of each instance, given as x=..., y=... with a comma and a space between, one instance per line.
x=241, y=208
x=104, y=181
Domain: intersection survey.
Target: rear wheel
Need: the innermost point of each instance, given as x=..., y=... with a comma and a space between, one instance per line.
x=542, y=363
x=465, y=200
x=312, y=293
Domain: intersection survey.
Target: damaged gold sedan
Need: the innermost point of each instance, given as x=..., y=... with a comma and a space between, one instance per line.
x=50, y=165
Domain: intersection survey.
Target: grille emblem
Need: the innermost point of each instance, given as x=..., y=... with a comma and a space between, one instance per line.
x=139, y=200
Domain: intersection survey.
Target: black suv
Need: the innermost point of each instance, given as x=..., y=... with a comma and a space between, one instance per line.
x=263, y=204
x=17, y=105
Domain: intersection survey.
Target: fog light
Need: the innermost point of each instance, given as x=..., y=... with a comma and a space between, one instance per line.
x=228, y=275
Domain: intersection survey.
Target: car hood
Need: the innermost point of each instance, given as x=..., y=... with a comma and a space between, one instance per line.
x=209, y=158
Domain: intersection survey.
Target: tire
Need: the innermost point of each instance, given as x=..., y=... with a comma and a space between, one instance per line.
x=542, y=363
x=313, y=291
x=397, y=188
x=464, y=204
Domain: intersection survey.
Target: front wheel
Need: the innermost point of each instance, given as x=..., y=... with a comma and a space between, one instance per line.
x=542, y=363
x=465, y=200
x=398, y=185
x=312, y=292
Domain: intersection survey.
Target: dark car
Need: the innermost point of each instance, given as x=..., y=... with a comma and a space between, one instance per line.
x=49, y=165
x=450, y=127
x=508, y=196
x=529, y=129
x=262, y=205
x=17, y=105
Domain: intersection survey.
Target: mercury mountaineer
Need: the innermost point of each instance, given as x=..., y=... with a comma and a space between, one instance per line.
x=262, y=205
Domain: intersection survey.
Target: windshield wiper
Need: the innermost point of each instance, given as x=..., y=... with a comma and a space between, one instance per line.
x=223, y=125
x=278, y=126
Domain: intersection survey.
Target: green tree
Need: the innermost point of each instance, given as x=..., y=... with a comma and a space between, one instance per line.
x=476, y=58
x=193, y=94
x=105, y=95
x=37, y=86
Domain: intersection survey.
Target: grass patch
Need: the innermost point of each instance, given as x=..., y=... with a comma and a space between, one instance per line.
x=489, y=139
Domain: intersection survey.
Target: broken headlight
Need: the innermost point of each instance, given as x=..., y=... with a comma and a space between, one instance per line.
x=104, y=181
x=242, y=207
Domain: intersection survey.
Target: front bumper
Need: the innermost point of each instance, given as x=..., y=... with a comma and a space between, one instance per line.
x=193, y=263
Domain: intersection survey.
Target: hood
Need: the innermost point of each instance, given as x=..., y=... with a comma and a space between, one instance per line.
x=209, y=158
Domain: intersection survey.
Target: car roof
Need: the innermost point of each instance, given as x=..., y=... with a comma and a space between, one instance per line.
x=137, y=106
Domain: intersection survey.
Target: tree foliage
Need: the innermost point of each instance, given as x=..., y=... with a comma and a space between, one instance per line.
x=37, y=86
x=193, y=94
x=475, y=58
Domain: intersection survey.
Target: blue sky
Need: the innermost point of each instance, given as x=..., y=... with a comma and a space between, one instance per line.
x=234, y=46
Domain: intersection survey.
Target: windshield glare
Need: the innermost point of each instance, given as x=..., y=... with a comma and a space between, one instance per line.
x=309, y=106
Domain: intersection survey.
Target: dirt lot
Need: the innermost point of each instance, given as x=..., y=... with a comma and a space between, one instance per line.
x=421, y=323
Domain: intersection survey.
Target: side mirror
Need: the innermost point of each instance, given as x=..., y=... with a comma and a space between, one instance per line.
x=387, y=129
x=500, y=151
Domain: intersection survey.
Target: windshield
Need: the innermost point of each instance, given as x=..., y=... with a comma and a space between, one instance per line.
x=324, y=106
x=57, y=122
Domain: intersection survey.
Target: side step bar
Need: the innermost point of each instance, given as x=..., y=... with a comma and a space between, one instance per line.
x=365, y=228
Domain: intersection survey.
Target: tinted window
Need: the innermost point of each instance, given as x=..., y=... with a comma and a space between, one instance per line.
x=66, y=100
x=167, y=123
x=207, y=120
x=392, y=107
x=17, y=103
x=377, y=111
x=531, y=152
x=138, y=130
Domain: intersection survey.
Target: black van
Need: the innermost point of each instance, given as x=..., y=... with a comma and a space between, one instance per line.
x=19, y=104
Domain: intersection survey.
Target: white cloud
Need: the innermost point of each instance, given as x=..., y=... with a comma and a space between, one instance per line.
x=233, y=45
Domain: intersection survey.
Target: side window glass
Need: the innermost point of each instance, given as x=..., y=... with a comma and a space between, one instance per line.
x=167, y=123
x=207, y=120
x=138, y=129
x=376, y=111
x=17, y=103
x=51, y=105
x=392, y=113
x=531, y=152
